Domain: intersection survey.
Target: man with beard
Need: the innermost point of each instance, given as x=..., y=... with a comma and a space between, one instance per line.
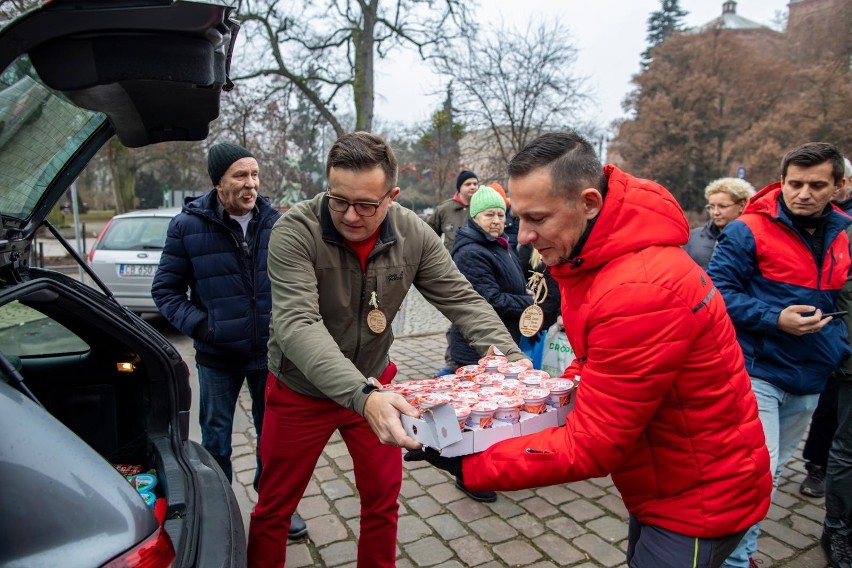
x=216, y=249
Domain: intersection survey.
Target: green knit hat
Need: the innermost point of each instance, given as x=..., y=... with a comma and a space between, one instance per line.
x=485, y=198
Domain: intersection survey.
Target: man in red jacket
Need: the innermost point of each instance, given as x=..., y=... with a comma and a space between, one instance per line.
x=665, y=405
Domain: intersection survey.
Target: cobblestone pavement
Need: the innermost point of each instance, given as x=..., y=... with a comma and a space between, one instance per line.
x=579, y=524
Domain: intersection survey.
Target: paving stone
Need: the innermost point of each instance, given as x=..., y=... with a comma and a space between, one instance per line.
x=324, y=474
x=543, y=564
x=312, y=489
x=345, y=463
x=811, y=511
x=327, y=529
x=785, y=534
x=556, y=494
x=336, y=450
x=410, y=488
x=348, y=507
x=599, y=550
x=241, y=450
x=299, y=555
x=539, y=507
x=468, y=510
x=774, y=549
x=447, y=564
x=527, y=525
x=506, y=508
x=411, y=529
x=471, y=551
x=424, y=506
x=786, y=500
x=566, y=527
x=602, y=482
x=806, y=526
x=517, y=496
x=516, y=553
x=427, y=477
x=336, y=489
x=445, y=493
x=239, y=439
x=585, y=489
x=310, y=507
x=493, y=529
x=245, y=463
x=615, y=505
x=339, y=553
x=582, y=510
x=777, y=513
x=558, y=550
x=447, y=527
x=428, y=552
x=610, y=529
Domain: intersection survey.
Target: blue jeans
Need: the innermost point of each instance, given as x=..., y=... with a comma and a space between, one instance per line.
x=219, y=390
x=785, y=418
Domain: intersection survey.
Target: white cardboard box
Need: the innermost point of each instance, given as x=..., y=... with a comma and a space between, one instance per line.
x=439, y=429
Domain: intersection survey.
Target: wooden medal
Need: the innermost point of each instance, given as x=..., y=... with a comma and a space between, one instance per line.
x=531, y=320
x=376, y=320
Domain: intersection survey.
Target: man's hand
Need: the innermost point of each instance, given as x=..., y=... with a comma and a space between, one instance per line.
x=792, y=320
x=382, y=411
x=433, y=456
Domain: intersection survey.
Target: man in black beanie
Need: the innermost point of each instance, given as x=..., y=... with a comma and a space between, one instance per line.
x=452, y=214
x=216, y=250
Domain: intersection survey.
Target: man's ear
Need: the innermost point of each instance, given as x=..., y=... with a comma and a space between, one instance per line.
x=592, y=201
x=394, y=192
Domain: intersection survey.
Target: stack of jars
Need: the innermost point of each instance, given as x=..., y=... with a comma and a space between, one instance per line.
x=493, y=390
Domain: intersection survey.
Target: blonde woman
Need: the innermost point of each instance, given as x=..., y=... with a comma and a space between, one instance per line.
x=726, y=199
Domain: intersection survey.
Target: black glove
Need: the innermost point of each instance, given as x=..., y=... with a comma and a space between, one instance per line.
x=434, y=457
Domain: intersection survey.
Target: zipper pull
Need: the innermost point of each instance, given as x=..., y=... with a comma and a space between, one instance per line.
x=534, y=451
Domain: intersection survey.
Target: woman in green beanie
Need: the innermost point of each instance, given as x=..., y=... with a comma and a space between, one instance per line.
x=481, y=253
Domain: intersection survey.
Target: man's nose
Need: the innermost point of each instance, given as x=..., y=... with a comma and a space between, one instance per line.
x=525, y=236
x=351, y=215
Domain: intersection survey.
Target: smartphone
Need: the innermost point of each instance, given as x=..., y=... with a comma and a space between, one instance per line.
x=834, y=314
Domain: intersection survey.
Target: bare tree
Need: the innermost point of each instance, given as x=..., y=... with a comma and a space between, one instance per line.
x=512, y=86
x=327, y=49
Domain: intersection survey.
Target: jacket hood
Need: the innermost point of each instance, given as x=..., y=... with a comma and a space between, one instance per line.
x=765, y=201
x=637, y=213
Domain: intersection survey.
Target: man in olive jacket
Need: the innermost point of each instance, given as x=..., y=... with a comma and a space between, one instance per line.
x=340, y=266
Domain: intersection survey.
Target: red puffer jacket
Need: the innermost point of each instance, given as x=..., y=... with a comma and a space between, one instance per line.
x=665, y=405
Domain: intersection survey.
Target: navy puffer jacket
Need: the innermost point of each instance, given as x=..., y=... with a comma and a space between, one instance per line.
x=496, y=275
x=227, y=283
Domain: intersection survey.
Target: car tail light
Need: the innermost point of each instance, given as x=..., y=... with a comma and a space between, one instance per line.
x=156, y=551
x=95, y=244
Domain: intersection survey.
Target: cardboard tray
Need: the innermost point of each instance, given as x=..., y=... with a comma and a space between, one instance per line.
x=438, y=428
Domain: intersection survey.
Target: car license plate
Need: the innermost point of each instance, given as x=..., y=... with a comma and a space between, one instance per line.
x=137, y=269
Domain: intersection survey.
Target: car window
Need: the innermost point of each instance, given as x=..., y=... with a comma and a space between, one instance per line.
x=26, y=332
x=136, y=233
x=39, y=132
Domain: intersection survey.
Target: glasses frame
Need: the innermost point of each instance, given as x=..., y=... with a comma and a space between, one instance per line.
x=722, y=208
x=372, y=206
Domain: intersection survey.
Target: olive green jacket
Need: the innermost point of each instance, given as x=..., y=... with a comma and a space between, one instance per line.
x=449, y=216
x=320, y=344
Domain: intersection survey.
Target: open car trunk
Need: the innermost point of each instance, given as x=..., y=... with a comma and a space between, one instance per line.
x=113, y=381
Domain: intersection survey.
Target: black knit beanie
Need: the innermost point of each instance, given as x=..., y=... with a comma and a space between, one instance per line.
x=221, y=156
x=464, y=175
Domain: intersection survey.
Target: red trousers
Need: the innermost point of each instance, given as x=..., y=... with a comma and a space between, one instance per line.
x=296, y=428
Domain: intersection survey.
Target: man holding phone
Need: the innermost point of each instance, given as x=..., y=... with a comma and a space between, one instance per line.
x=780, y=267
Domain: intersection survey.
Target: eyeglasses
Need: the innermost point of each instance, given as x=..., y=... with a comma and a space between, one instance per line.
x=722, y=208
x=362, y=208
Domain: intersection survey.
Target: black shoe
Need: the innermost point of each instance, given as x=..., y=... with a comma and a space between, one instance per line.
x=481, y=496
x=837, y=549
x=298, y=528
x=814, y=483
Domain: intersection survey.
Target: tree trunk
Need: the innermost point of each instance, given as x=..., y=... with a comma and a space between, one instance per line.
x=123, y=170
x=363, y=76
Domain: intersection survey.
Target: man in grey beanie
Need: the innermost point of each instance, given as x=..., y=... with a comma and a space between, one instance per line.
x=212, y=285
x=451, y=215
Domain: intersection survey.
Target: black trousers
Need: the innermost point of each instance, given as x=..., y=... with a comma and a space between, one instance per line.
x=823, y=426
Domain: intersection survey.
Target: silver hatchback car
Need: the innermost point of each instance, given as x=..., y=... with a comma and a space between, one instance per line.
x=126, y=254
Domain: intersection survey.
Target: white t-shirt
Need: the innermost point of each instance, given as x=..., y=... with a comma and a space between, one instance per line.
x=243, y=220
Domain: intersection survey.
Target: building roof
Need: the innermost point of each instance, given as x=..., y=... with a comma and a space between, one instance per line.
x=730, y=20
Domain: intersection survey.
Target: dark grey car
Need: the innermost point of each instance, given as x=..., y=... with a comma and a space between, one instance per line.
x=89, y=387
